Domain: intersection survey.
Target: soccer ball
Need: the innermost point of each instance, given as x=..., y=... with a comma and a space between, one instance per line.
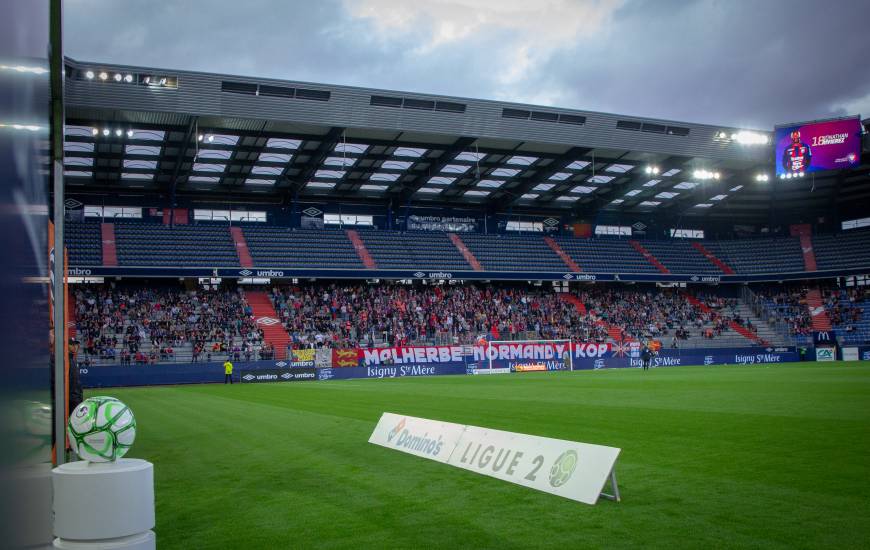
x=101, y=429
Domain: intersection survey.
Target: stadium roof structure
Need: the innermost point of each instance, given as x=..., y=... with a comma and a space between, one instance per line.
x=136, y=129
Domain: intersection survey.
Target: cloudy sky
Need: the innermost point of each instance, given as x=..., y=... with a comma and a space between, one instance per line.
x=747, y=63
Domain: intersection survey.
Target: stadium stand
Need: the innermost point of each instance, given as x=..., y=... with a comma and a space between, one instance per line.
x=135, y=325
x=132, y=324
x=513, y=252
x=83, y=243
x=311, y=248
x=605, y=253
x=849, y=312
x=151, y=244
x=418, y=249
x=681, y=257
x=762, y=255
x=843, y=251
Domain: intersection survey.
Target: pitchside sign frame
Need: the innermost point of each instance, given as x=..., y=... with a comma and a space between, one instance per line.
x=570, y=469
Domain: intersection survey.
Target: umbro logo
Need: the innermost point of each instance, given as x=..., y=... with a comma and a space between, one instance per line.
x=419, y=274
x=551, y=222
x=313, y=212
x=72, y=204
x=246, y=272
x=267, y=321
x=248, y=377
x=640, y=226
x=281, y=364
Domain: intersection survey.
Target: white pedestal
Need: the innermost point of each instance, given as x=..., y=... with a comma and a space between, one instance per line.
x=104, y=505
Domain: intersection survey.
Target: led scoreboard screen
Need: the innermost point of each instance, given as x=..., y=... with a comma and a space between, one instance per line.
x=815, y=146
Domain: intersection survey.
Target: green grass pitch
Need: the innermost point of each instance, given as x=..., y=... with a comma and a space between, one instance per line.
x=737, y=456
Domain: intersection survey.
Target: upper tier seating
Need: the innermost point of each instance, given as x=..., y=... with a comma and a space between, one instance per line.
x=605, y=255
x=149, y=244
x=84, y=243
x=206, y=245
x=843, y=251
x=513, y=252
x=304, y=248
x=768, y=255
x=681, y=257
x=415, y=250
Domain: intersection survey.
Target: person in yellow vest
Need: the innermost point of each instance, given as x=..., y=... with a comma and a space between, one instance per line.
x=228, y=372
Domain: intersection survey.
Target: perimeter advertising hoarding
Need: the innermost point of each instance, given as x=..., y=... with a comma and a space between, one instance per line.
x=816, y=146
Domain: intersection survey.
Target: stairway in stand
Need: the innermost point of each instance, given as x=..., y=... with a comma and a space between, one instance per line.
x=615, y=333
x=267, y=319
x=733, y=325
x=818, y=313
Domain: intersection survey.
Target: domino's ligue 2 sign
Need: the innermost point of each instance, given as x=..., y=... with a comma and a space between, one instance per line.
x=569, y=469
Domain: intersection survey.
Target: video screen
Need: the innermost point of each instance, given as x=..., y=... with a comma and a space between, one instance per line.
x=815, y=146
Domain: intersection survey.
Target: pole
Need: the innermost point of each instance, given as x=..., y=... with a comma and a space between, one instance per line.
x=57, y=124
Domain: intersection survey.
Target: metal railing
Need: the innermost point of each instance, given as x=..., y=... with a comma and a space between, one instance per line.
x=759, y=308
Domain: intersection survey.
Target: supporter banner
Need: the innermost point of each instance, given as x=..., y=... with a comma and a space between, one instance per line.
x=346, y=357
x=323, y=358
x=277, y=375
x=569, y=469
x=864, y=353
x=507, y=351
x=302, y=358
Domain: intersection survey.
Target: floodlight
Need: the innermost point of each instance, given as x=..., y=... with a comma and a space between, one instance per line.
x=89, y=75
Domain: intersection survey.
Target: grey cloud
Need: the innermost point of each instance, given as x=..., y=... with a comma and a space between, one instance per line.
x=737, y=62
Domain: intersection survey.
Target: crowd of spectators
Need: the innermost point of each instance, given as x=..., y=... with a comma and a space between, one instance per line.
x=644, y=315
x=790, y=306
x=845, y=306
x=362, y=315
x=113, y=323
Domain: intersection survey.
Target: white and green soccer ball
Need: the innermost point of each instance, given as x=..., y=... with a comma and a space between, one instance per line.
x=101, y=429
